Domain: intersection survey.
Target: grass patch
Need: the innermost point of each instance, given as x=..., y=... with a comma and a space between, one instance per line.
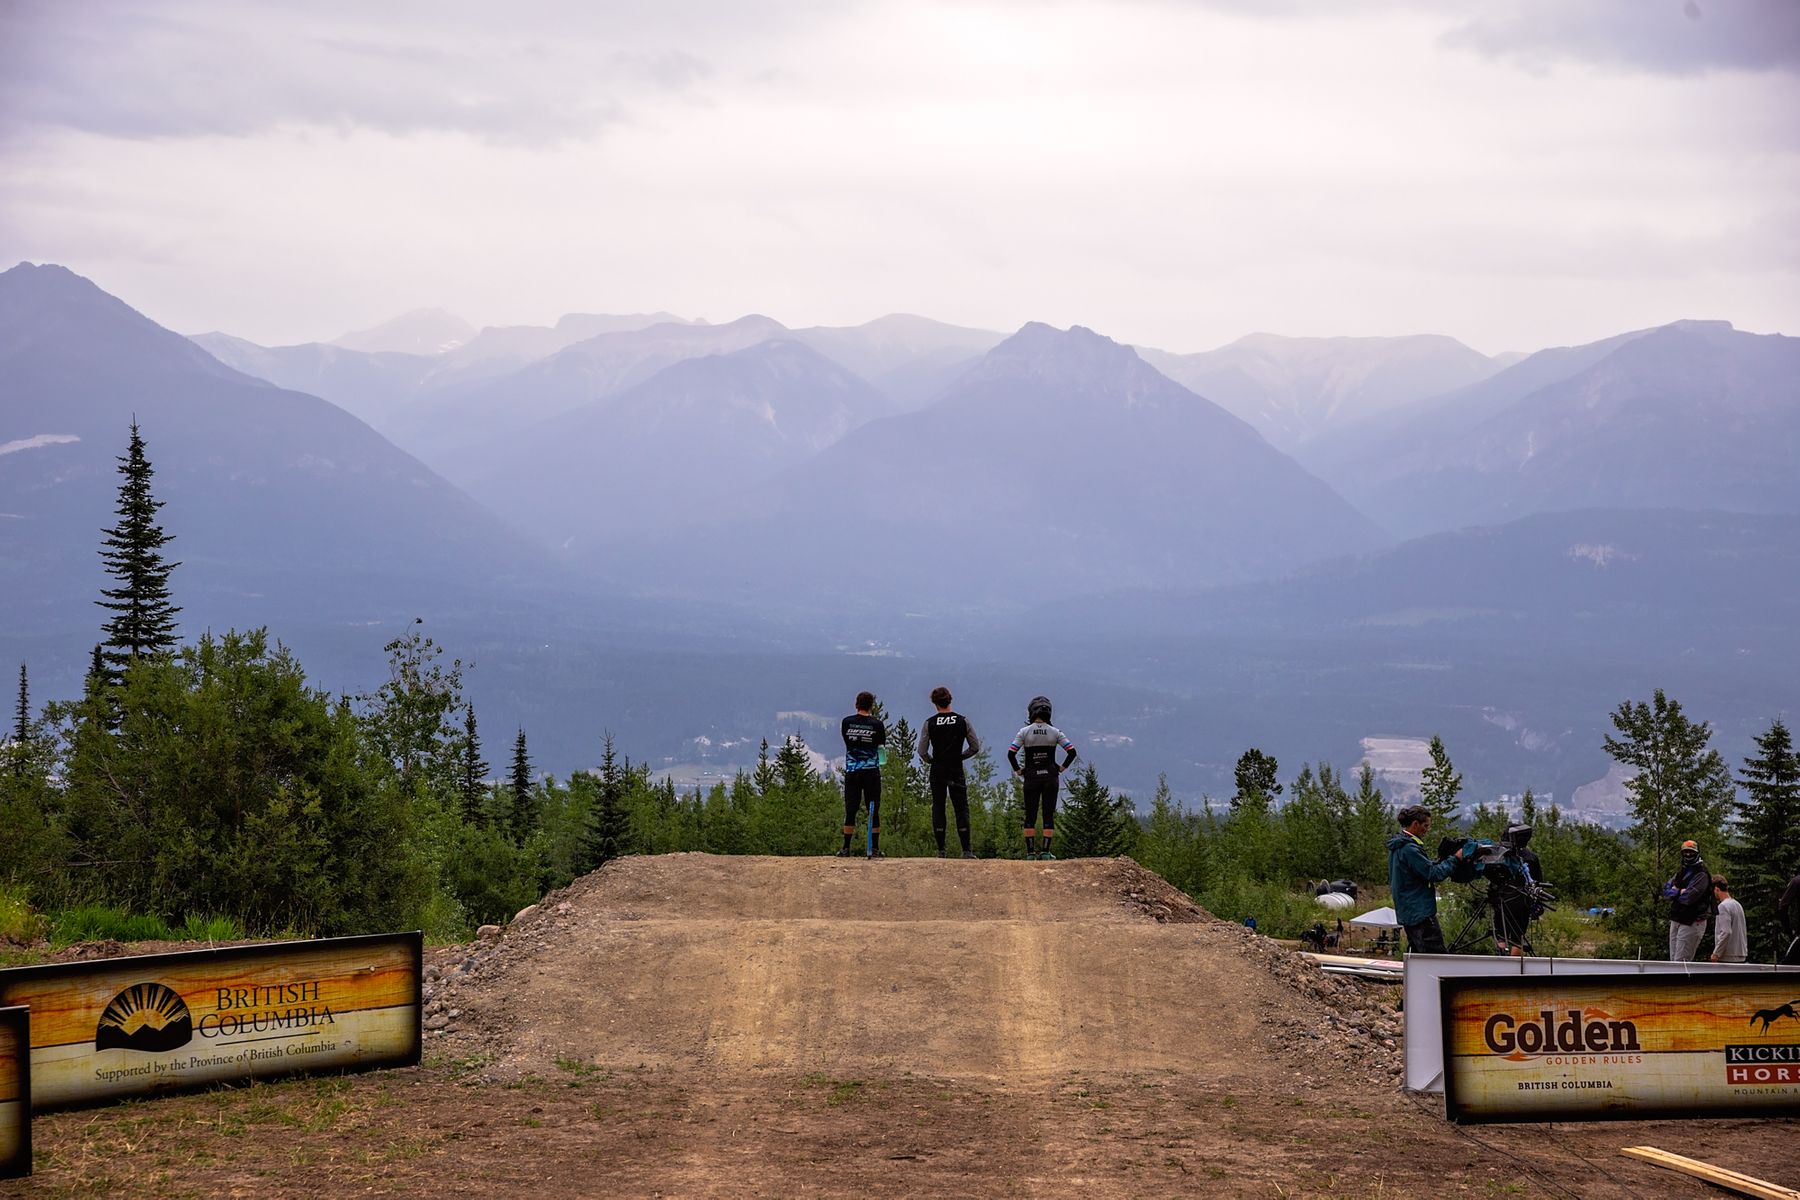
x=19, y=922
x=844, y=1090
x=97, y=923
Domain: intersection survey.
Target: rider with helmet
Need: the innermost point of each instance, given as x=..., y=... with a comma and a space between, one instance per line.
x=1038, y=742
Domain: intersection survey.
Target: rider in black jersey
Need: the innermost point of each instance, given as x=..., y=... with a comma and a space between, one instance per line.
x=864, y=737
x=1039, y=742
x=948, y=740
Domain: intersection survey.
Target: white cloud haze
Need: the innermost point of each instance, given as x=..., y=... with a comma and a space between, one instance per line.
x=1514, y=174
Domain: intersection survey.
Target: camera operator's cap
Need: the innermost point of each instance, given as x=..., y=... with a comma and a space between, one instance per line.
x=1690, y=844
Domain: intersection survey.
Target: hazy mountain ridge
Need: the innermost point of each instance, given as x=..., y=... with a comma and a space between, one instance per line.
x=270, y=492
x=422, y=331
x=697, y=434
x=1690, y=415
x=1060, y=463
x=1293, y=390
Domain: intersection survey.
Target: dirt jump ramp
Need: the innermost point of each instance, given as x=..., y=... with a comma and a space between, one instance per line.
x=940, y=968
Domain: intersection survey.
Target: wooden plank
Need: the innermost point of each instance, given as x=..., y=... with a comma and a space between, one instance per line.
x=1735, y=1181
x=15, y=1086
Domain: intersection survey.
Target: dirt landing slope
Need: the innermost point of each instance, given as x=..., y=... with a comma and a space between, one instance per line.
x=946, y=969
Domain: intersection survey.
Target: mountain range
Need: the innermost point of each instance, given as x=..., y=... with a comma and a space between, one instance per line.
x=1348, y=552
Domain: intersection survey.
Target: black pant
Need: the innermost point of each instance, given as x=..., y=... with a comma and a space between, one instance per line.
x=956, y=788
x=858, y=787
x=1425, y=937
x=1040, y=790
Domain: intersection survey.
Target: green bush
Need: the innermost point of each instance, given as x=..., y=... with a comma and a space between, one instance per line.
x=1280, y=910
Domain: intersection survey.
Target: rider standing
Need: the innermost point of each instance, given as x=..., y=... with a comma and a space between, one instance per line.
x=1039, y=742
x=864, y=737
x=949, y=740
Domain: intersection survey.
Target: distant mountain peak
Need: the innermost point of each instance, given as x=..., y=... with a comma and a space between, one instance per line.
x=421, y=331
x=1075, y=358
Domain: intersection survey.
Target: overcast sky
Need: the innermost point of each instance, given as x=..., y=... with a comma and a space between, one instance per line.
x=1515, y=173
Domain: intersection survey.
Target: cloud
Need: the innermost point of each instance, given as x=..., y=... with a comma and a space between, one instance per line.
x=206, y=67
x=1666, y=37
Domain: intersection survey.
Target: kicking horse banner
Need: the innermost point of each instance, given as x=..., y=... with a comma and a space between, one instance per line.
x=1573, y=1047
x=15, y=1100
x=110, y=1028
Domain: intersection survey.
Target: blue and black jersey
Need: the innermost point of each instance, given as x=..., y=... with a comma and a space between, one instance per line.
x=864, y=736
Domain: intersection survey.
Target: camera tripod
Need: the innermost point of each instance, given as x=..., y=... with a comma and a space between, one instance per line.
x=1497, y=912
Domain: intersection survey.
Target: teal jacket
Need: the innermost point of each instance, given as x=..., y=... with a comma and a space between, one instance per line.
x=1411, y=877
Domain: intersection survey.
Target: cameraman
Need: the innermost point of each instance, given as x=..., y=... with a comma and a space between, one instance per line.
x=1516, y=901
x=1689, y=893
x=1412, y=878
x=1788, y=910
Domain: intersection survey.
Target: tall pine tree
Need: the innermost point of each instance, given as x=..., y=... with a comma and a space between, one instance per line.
x=524, y=803
x=1768, y=829
x=474, y=771
x=609, y=823
x=21, y=737
x=1438, y=786
x=143, y=615
x=1679, y=790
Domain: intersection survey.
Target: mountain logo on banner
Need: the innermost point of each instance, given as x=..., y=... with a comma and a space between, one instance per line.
x=145, y=1016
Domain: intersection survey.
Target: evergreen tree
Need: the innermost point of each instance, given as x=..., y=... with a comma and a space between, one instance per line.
x=524, y=804
x=1681, y=790
x=1768, y=832
x=143, y=615
x=1438, y=786
x=20, y=750
x=793, y=768
x=1528, y=808
x=764, y=778
x=609, y=822
x=1094, y=825
x=474, y=771
x=1371, y=824
x=1256, y=779
x=1172, y=843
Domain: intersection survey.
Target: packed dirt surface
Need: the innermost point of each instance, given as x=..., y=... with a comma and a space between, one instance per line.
x=993, y=970
x=695, y=1026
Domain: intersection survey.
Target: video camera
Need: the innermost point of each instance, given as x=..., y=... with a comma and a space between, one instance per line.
x=1504, y=866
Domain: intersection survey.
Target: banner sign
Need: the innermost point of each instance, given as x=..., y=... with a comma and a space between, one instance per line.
x=118, y=1027
x=1425, y=1028
x=15, y=1093
x=1593, y=1047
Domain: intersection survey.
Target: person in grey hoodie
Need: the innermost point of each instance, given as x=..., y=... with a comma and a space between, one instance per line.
x=1731, y=943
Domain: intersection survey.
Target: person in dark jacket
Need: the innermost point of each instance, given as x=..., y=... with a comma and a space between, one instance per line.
x=946, y=741
x=1689, y=893
x=1413, y=879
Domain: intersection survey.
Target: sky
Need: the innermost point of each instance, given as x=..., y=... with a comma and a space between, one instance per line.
x=1172, y=173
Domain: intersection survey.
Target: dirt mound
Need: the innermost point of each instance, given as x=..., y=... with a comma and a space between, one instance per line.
x=939, y=968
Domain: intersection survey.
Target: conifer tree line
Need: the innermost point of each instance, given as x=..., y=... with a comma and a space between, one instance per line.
x=211, y=779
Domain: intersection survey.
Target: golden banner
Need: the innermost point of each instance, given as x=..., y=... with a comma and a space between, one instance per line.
x=1547, y=1047
x=161, y=1022
x=15, y=1092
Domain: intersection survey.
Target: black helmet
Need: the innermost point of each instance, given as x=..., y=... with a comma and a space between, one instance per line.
x=1038, y=709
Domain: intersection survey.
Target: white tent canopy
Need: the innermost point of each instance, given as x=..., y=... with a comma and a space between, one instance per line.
x=1379, y=918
